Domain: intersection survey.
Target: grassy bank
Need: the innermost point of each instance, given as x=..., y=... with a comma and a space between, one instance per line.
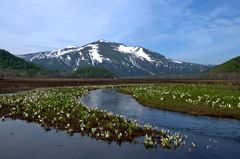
x=199, y=99
x=59, y=108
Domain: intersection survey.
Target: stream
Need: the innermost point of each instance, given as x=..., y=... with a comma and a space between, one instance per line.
x=214, y=137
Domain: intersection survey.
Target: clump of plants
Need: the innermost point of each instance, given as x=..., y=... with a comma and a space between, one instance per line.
x=59, y=108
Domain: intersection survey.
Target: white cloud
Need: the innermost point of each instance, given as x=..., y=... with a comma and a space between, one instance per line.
x=72, y=20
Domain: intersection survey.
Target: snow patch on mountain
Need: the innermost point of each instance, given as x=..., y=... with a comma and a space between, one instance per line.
x=141, y=53
x=72, y=47
x=126, y=49
x=68, y=57
x=61, y=52
x=94, y=54
x=177, y=61
x=134, y=50
x=136, y=65
x=38, y=56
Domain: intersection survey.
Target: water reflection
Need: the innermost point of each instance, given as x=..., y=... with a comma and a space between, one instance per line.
x=28, y=140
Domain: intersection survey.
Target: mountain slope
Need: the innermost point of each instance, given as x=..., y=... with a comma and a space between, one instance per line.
x=10, y=63
x=231, y=66
x=118, y=58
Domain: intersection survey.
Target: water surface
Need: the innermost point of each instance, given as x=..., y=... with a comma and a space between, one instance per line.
x=20, y=139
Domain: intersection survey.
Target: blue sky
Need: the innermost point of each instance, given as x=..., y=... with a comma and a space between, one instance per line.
x=200, y=31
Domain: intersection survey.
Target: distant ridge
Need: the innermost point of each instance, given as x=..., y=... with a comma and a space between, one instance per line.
x=230, y=66
x=10, y=63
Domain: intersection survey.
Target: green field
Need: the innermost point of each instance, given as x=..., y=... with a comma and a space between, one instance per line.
x=59, y=108
x=199, y=99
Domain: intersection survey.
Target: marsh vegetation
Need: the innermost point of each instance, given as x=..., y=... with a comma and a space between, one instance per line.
x=199, y=99
x=105, y=116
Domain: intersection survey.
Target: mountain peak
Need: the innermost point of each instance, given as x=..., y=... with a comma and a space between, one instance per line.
x=120, y=59
x=102, y=41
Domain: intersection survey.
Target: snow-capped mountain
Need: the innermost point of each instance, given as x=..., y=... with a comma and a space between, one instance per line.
x=118, y=58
